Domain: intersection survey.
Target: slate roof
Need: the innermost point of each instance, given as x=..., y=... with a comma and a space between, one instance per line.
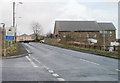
x=23, y=35
x=82, y=26
x=32, y=35
x=107, y=26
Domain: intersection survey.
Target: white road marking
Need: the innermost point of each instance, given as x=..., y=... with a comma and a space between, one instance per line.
x=51, y=71
x=60, y=79
x=45, y=67
x=36, y=60
x=34, y=65
x=55, y=75
x=89, y=62
x=117, y=70
x=40, y=63
x=28, y=50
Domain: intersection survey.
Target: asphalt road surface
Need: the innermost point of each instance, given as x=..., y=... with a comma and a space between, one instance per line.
x=49, y=63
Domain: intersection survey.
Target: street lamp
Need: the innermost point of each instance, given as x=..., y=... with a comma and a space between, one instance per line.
x=4, y=39
x=14, y=5
x=14, y=18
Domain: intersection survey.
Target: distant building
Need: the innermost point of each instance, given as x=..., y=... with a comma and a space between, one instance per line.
x=24, y=37
x=83, y=31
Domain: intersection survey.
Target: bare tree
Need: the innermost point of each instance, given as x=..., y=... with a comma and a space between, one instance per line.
x=49, y=34
x=37, y=29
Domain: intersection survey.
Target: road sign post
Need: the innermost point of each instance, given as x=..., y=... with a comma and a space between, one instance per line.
x=10, y=35
x=10, y=38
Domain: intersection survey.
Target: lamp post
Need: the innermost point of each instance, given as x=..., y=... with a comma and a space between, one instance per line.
x=14, y=18
x=14, y=7
x=4, y=39
x=13, y=14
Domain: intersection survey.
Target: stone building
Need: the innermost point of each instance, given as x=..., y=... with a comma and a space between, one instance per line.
x=24, y=37
x=82, y=31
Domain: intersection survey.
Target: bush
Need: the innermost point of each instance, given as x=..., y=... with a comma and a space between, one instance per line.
x=12, y=50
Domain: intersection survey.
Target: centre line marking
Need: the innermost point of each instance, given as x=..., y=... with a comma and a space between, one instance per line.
x=55, y=75
x=51, y=71
x=33, y=64
x=89, y=62
x=40, y=62
x=60, y=79
x=28, y=50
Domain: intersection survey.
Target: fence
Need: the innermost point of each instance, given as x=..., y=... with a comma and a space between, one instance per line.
x=99, y=47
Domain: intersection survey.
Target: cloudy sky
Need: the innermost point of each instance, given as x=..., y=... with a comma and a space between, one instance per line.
x=47, y=11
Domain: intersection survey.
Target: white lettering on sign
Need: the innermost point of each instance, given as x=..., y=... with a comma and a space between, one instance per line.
x=10, y=33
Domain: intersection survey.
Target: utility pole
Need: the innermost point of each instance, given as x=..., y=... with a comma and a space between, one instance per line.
x=13, y=14
x=1, y=41
x=14, y=18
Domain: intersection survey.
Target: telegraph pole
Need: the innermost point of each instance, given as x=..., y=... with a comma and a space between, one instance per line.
x=4, y=39
x=13, y=14
x=14, y=18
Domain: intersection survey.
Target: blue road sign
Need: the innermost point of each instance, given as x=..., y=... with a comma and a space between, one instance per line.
x=10, y=38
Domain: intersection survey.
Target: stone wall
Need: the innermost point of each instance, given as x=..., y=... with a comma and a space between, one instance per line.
x=83, y=36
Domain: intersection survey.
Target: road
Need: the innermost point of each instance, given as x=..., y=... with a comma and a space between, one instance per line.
x=49, y=63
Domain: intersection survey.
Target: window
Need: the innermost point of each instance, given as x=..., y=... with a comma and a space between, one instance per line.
x=110, y=32
x=103, y=32
x=110, y=35
x=64, y=36
x=95, y=35
x=87, y=35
